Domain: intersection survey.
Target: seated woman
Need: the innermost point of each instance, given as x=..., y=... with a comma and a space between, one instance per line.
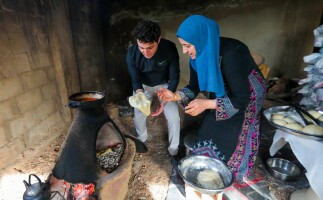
x=224, y=68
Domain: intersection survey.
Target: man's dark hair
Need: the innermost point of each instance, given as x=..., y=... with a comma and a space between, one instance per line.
x=146, y=31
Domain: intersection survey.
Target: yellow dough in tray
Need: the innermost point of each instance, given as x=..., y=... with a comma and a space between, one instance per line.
x=277, y=116
x=279, y=122
x=294, y=126
x=314, y=113
x=313, y=129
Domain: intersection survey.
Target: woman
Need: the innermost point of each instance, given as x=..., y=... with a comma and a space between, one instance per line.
x=224, y=68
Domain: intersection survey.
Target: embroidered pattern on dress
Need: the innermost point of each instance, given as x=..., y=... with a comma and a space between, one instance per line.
x=186, y=96
x=208, y=148
x=224, y=108
x=245, y=153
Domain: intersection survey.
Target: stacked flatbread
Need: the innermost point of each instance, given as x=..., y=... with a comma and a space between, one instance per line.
x=141, y=102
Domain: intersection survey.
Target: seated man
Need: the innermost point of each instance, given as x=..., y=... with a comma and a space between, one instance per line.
x=153, y=63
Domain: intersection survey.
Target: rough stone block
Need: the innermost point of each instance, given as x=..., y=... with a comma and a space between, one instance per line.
x=3, y=136
x=34, y=79
x=36, y=134
x=12, y=66
x=35, y=8
x=10, y=5
x=10, y=22
x=49, y=91
x=8, y=110
x=29, y=100
x=20, y=125
x=19, y=42
x=44, y=110
x=10, y=151
x=87, y=7
x=5, y=47
x=51, y=73
x=44, y=59
x=10, y=88
x=37, y=25
x=42, y=42
x=53, y=120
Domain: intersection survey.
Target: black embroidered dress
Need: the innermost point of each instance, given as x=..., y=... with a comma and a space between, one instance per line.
x=231, y=132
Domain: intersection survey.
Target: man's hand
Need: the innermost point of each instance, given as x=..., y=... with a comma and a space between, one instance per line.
x=197, y=106
x=160, y=109
x=166, y=95
x=139, y=90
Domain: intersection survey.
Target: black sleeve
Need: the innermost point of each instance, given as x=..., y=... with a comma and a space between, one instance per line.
x=133, y=71
x=193, y=85
x=174, y=71
x=235, y=72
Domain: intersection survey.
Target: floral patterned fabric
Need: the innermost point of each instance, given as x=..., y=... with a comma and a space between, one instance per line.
x=224, y=109
x=245, y=153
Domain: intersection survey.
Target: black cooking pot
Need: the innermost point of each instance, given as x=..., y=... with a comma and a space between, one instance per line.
x=36, y=191
x=85, y=100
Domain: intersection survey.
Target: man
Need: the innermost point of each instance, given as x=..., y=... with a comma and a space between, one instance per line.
x=153, y=63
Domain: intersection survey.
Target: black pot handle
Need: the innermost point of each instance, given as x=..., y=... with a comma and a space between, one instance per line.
x=74, y=104
x=35, y=177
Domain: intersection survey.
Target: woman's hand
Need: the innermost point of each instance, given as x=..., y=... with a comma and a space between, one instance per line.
x=165, y=94
x=197, y=106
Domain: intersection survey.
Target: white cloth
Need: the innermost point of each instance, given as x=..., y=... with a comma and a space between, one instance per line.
x=309, y=154
x=171, y=115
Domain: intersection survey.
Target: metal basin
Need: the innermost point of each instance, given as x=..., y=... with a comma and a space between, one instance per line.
x=282, y=169
x=189, y=167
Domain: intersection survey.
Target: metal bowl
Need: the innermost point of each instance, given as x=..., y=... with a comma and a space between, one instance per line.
x=282, y=169
x=190, y=166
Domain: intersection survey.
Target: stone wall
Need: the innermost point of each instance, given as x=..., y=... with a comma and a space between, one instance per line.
x=87, y=40
x=281, y=31
x=32, y=70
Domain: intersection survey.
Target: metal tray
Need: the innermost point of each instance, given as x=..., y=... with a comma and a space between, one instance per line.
x=288, y=111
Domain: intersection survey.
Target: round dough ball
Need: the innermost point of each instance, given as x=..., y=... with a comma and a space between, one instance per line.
x=210, y=179
x=289, y=120
x=277, y=116
x=321, y=118
x=314, y=113
x=279, y=122
x=313, y=129
x=294, y=126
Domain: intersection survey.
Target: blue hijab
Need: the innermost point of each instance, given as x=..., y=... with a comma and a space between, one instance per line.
x=203, y=33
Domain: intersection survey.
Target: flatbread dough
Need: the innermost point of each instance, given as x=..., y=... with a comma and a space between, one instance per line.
x=141, y=102
x=313, y=129
x=321, y=118
x=289, y=120
x=294, y=126
x=279, y=122
x=314, y=113
x=210, y=179
x=277, y=116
